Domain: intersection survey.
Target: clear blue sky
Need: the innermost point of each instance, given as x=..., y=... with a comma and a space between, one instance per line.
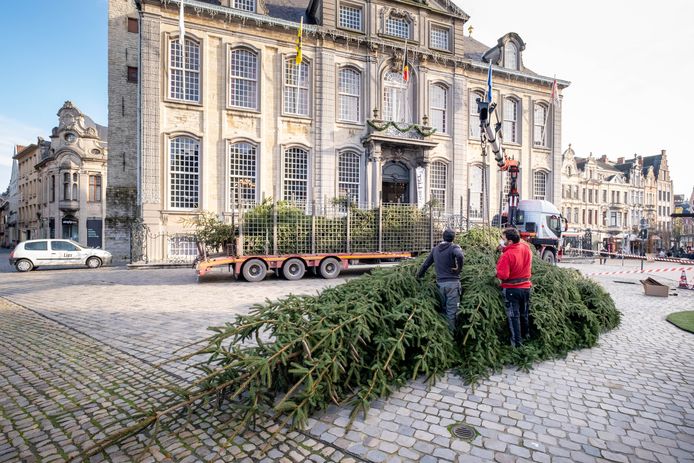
x=51, y=51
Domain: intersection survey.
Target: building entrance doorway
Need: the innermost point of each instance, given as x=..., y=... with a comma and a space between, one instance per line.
x=396, y=183
x=70, y=228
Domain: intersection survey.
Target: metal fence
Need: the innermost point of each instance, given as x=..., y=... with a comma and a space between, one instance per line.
x=275, y=228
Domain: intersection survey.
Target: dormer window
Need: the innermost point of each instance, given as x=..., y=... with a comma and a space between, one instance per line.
x=245, y=5
x=398, y=26
x=511, y=56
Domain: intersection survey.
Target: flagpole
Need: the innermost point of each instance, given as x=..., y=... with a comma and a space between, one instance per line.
x=551, y=102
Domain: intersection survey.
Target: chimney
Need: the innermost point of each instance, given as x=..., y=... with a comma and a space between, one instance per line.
x=603, y=158
x=620, y=160
x=662, y=153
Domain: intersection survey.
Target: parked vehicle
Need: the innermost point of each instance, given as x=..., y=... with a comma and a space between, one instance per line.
x=32, y=254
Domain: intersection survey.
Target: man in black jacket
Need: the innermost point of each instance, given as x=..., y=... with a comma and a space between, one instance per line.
x=448, y=262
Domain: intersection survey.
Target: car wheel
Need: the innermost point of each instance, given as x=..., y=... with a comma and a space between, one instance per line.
x=93, y=262
x=329, y=268
x=254, y=270
x=293, y=269
x=23, y=265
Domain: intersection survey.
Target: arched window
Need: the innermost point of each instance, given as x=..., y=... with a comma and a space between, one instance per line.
x=511, y=56
x=511, y=125
x=66, y=186
x=296, y=87
x=438, y=104
x=243, y=79
x=295, y=182
x=242, y=173
x=349, y=176
x=184, y=78
x=438, y=183
x=184, y=173
x=540, y=136
x=476, y=191
x=398, y=26
x=540, y=184
x=349, y=89
x=474, y=117
x=398, y=99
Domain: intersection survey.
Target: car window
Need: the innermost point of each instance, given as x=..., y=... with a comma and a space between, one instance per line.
x=63, y=246
x=36, y=246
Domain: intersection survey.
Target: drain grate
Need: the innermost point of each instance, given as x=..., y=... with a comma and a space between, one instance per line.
x=463, y=431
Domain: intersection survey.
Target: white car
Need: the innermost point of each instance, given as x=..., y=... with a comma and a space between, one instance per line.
x=32, y=254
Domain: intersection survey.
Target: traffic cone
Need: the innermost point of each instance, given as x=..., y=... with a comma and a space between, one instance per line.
x=683, y=280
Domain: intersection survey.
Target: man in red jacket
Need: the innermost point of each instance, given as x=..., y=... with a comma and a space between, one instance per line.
x=514, y=269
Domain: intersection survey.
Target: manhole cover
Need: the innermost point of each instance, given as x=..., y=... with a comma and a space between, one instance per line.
x=463, y=431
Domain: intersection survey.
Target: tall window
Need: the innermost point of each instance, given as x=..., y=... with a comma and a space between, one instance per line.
x=474, y=117
x=351, y=17
x=349, y=88
x=510, y=56
x=95, y=188
x=242, y=173
x=540, y=184
x=243, y=82
x=440, y=38
x=511, y=120
x=184, y=173
x=438, y=102
x=439, y=177
x=296, y=86
x=349, y=175
x=66, y=186
x=397, y=98
x=245, y=5
x=476, y=192
x=540, y=137
x=398, y=27
x=52, y=192
x=75, y=187
x=184, y=78
x=295, y=185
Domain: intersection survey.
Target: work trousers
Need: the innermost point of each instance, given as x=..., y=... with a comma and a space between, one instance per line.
x=449, y=292
x=517, y=301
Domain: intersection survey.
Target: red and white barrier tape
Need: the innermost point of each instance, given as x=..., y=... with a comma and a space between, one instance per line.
x=638, y=257
x=647, y=270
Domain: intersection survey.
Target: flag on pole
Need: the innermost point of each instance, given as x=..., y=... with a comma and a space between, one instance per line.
x=406, y=67
x=299, y=42
x=555, y=93
x=489, y=83
x=181, y=24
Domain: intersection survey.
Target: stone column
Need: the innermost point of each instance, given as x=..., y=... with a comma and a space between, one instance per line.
x=376, y=172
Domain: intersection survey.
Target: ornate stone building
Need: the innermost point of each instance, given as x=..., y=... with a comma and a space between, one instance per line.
x=28, y=184
x=71, y=172
x=230, y=117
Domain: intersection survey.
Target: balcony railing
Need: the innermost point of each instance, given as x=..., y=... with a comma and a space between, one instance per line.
x=69, y=205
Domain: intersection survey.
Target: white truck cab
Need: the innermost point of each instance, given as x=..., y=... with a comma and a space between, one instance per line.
x=541, y=224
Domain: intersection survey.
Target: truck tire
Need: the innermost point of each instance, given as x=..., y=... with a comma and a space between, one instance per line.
x=293, y=269
x=329, y=268
x=549, y=257
x=254, y=270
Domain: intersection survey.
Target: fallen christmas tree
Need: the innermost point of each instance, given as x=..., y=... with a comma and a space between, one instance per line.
x=358, y=341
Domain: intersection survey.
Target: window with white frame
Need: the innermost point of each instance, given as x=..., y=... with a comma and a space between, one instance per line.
x=295, y=183
x=243, y=79
x=438, y=104
x=398, y=26
x=351, y=17
x=476, y=192
x=242, y=173
x=184, y=173
x=511, y=56
x=540, y=137
x=348, y=173
x=437, y=184
x=296, y=87
x=245, y=5
x=184, y=78
x=183, y=246
x=439, y=38
x=511, y=131
x=474, y=116
x=349, y=89
x=398, y=98
x=540, y=184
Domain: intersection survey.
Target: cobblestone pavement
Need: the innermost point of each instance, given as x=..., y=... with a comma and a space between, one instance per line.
x=78, y=351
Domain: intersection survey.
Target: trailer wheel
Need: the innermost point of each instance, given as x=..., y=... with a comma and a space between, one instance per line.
x=293, y=269
x=329, y=268
x=254, y=270
x=549, y=257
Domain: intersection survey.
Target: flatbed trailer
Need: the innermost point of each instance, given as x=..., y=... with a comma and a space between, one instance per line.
x=293, y=266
